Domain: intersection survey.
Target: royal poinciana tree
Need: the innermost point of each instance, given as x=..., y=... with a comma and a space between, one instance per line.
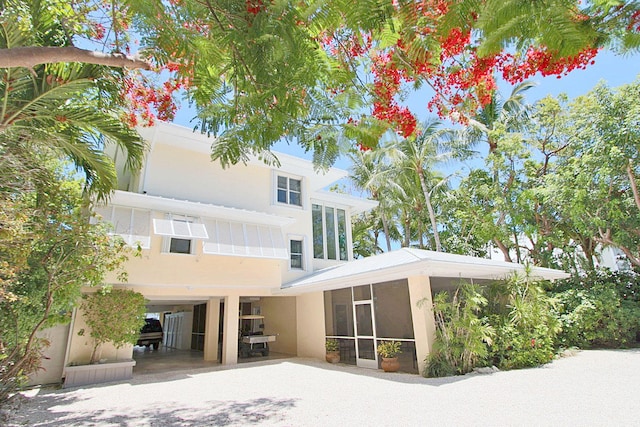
x=324, y=74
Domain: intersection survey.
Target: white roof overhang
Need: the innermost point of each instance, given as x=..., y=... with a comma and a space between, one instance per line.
x=356, y=205
x=185, y=207
x=407, y=262
x=223, y=231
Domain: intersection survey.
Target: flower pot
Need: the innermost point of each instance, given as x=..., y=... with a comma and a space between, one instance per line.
x=390, y=364
x=333, y=356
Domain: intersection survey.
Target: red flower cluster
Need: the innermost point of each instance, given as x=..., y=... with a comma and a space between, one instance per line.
x=540, y=60
x=255, y=6
x=455, y=43
x=149, y=101
x=386, y=85
x=634, y=22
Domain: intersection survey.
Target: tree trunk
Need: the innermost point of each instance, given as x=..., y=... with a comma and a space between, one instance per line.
x=503, y=249
x=385, y=229
x=432, y=214
x=29, y=57
x=634, y=186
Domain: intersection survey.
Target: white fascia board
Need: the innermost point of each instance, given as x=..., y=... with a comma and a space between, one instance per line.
x=474, y=268
x=355, y=204
x=145, y=201
x=292, y=165
x=177, y=136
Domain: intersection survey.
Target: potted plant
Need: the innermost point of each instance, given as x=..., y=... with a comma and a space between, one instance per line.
x=112, y=316
x=332, y=346
x=389, y=351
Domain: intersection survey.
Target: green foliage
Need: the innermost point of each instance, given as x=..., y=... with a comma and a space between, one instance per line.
x=113, y=315
x=522, y=315
x=601, y=309
x=509, y=324
x=68, y=109
x=462, y=332
x=48, y=251
x=389, y=348
x=332, y=345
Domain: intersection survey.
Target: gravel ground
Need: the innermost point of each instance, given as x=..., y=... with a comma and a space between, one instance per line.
x=590, y=388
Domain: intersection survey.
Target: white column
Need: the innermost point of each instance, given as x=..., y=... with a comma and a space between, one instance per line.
x=212, y=327
x=310, y=325
x=424, y=324
x=230, y=330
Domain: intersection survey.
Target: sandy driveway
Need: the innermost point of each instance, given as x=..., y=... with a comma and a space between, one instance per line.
x=591, y=388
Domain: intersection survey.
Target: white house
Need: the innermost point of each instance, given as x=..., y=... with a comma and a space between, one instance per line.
x=257, y=240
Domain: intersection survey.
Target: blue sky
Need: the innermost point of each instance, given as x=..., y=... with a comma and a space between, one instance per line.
x=615, y=70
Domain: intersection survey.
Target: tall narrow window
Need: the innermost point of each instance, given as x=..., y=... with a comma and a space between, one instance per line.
x=342, y=234
x=318, y=233
x=289, y=191
x=330, y=239
x=296, y=254
x=331, y=232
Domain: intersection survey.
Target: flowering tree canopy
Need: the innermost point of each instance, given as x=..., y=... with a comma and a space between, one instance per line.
x=324, y=74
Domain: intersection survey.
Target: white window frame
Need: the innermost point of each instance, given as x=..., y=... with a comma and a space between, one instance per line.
x=289, y=177
x=305, y=250
x=348, y=243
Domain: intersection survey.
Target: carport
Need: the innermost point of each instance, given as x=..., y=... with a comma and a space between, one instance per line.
x=189, y=325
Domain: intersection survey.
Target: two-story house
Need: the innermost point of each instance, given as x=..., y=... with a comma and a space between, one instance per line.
x=220, y=246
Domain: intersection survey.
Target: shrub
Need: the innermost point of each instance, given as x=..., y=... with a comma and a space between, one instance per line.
x=114, y=316
x=332, y=345
x=389, y=348
x=522, y=315
x=601, y=309
x=462, y=333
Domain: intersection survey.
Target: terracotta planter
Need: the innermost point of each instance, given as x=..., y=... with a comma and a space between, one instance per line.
x=390, y=364
x=333, y=356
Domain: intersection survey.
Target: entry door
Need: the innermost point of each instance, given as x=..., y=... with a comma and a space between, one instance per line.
x=366, y=356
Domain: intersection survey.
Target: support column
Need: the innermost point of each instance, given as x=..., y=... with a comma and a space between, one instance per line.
x=230, y=330
x=212, y=327
x=424, y=323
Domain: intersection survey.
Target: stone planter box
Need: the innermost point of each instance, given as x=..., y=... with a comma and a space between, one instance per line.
x=116, y=370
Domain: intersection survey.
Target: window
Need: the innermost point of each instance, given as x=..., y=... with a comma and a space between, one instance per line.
x=296, y=255
x=289, y=190
x=329, y=232
x=180, y=232
x=180, y=246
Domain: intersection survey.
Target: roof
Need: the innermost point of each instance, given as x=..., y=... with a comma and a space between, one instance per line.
x=407, y=262
x=193, y=140
x=186, y=207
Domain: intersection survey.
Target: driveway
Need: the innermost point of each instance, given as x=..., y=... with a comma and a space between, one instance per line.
x=590, y=388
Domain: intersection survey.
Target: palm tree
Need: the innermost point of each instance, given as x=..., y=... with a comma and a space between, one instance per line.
x=370, y=172
x=510, y=113
x=67, y=110
x=418, y=156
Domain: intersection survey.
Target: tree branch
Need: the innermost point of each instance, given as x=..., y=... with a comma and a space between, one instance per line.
x=31, y=56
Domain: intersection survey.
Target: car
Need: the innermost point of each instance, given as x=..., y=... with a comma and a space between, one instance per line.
x=150, y=334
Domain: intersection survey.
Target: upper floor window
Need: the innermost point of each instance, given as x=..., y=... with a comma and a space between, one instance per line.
x=329, y=232
x=289, y=190
x=296, y=255
x=179, y=246
x=179, y=232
